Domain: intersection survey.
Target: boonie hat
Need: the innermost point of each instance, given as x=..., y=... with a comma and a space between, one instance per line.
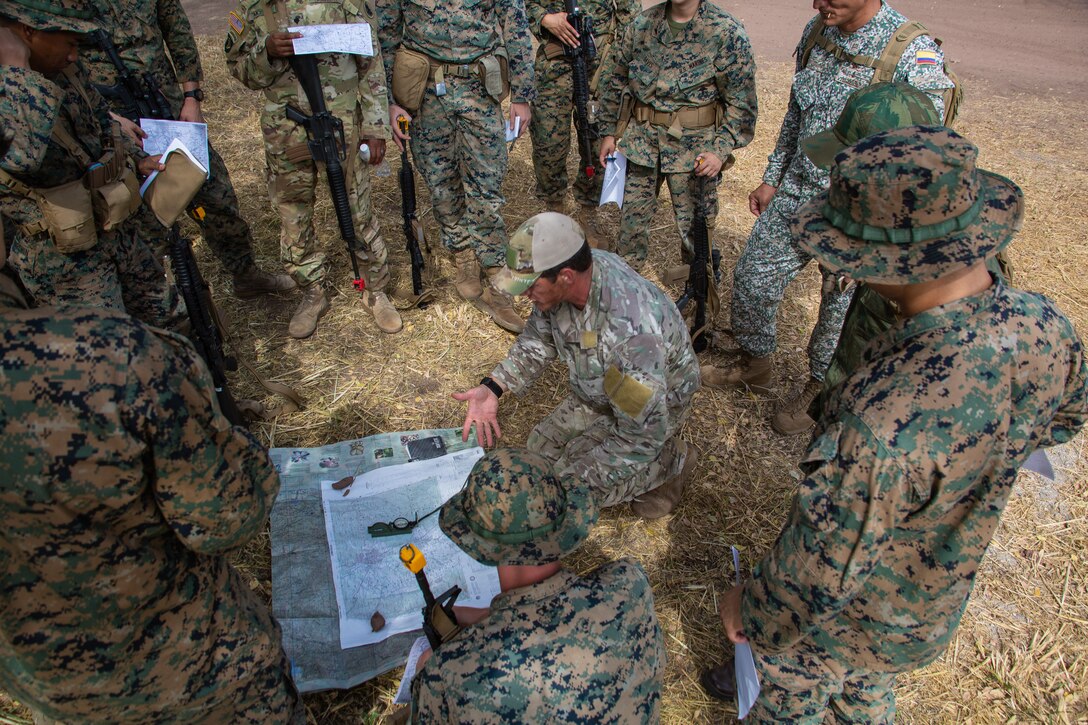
x=908, y=206
x=514, y=511
x=539, y=244
x=872, y=109
x=51, y=15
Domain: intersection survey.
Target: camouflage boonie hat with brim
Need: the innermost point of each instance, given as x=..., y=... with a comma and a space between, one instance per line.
x=872, y=109
x=542, y=242
x=514, y=511
x=907, y=206
x=75, y=16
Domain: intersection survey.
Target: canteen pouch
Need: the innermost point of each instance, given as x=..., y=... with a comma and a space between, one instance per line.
x=68, y=214
x=411, y=71
x=495, y=74
x=116, y=201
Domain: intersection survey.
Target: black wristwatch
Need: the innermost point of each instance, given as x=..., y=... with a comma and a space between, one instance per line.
x=196, y=93
x=492, y=386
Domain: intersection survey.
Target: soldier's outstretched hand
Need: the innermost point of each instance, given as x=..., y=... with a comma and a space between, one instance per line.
x=483, y=412
x=281, y=44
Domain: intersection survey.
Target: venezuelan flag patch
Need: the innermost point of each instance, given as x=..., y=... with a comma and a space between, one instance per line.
x=927, y=57
x=236, y=22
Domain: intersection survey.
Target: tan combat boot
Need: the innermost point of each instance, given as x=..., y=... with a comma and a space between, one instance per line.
x=254, y=282
x=500, y=306
x=793, y=418
x=314, y=304
x=663, y=499
x=385, y=314
x=749, y=371
x=590, y=220
x=467, y=278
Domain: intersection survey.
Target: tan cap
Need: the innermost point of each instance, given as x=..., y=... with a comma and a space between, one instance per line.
x=541, y=243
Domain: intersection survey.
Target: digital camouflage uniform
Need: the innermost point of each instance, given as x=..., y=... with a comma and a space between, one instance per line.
x=354, y=87
x=568, y=649
x=913, y=462
x=709, y=62
x=154, y=37
x=632, y=376
x=120, y=271
x=771, y=257
x=457, y=138
x=122, y=489
x=553, y=108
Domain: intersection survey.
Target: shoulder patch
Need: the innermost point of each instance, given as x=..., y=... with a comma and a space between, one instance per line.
x=927, y=57
x=235, y=23
x=628, y=394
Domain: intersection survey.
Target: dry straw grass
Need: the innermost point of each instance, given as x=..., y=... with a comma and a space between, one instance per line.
x=1021, y=653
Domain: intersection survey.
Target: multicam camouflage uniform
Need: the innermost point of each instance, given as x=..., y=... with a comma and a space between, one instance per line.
x=706, y=64
x=918, y=451
x=119, y=272
x=122, y=488
x=771, y=258
x=355, y=93
x=552, y=109
x=571, y=648
x=144, y=31
x=457, y=138
x=632, y=376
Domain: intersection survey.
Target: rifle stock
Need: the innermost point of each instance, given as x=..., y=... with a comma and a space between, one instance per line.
x=580, y=57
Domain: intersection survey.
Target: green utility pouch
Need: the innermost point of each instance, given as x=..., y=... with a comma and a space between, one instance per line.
x=495, y=74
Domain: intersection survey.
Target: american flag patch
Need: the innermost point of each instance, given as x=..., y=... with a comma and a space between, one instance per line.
x=927, y=57
x=236, y=22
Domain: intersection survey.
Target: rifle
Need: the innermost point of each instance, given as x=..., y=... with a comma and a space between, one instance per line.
x=205, y=333
x=439, y=621
x=580, y=57
x=413, y=230
x=697, y=287
x=325, y=137
x=136, y=100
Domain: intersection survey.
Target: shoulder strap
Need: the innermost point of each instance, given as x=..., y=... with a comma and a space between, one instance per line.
x=817, y=31
x=889, y=59
x=17, y=186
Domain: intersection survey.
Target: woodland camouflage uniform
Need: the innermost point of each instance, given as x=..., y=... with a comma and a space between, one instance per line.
x=771, y=257
x=708, y=63
x=354, y=87
x=633, y=374
x=553, y=108
x=568, y=648
x=154, y=37
x=914, y=460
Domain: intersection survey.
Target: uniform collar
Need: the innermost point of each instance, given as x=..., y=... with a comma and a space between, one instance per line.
x=547, y=589
x=664, y=33
x=953, y=314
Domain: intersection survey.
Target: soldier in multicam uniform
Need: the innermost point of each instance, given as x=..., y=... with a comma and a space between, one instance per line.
x=771, y=257
x=632, y=369
x=553, y=646
x=122, y=488
x=467, y=50
x=915, y=458
x=679, y=93
x=258, y=47
x=552, y=109
x=63, y=129
x=144, y=31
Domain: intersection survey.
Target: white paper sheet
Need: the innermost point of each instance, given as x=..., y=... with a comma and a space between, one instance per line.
x=404, y=690
x=744, y=663
x=353, y=38
x=615, y=175
x=193, y=136
x=512, y=132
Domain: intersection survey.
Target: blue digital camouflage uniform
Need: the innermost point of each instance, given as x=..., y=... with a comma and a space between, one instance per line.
x=457, y=137
x=568, y=649
x=552, y=109
x=122, y=489
x=119, y=272
x=771, y=258
x=154, y=37
x=708, y=65
x=354, y=87
x=632, y=376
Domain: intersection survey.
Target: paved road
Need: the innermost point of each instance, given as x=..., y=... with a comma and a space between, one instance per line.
x=1030, y=46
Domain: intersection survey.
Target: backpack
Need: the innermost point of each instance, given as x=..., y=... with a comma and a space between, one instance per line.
x=886, y=63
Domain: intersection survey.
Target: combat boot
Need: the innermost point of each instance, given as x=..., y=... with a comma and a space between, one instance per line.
x=314, y=304
x=590, y=220
x=663, y=499
x=254, y=282
x=749, y=371
x=385, y=314
x=793, y=418
x=500, y=306
x=467, y=279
